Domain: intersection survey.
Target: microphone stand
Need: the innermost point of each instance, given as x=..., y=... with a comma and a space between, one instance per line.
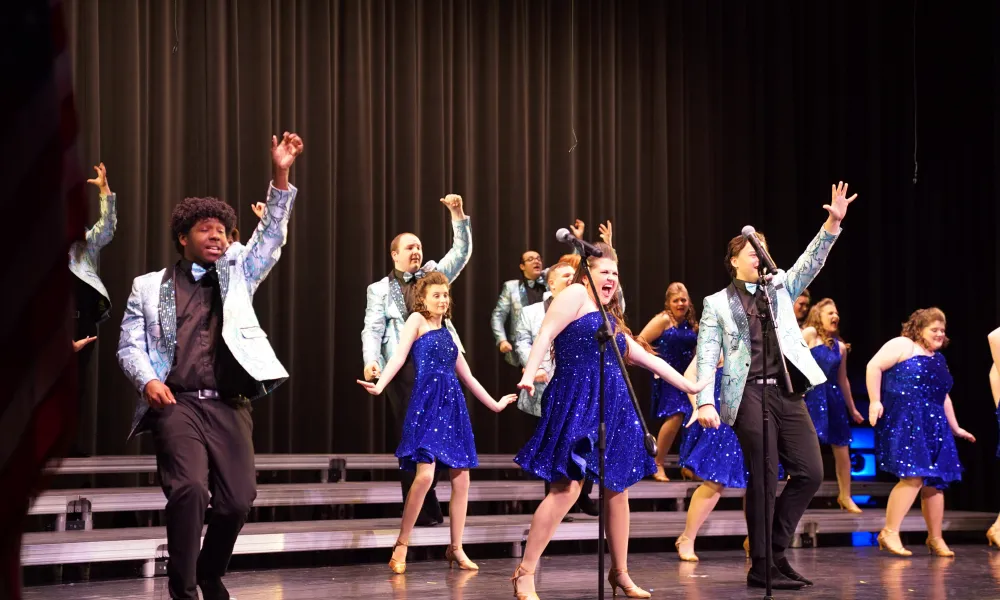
x=767, y=320
x=604, y=335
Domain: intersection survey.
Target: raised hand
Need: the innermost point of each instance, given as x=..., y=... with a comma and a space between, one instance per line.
x=81, y=344
x=157, y=394
x=456, y=205
x=371, y=388
x=838, y=202
x=283, y=154
x=577, y=228
x=605, y=232
x=258, y=209
x=372, y=371
x=101, y=181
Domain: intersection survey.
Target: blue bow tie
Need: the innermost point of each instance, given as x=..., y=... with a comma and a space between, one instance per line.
x=198, y=271
x=408, y=277
x=533, y=282
x=752, y=288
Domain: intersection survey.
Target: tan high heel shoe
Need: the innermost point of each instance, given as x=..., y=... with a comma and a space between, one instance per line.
x=520, y=572
x=661, y=474
x=937, y=547
x=746, y=545
x=889, y=540
x=398, y=566
x=849, y=506
x=688, y=475
x=690, y=557
x=633, y=591
x=463, y=563
x=993, y=536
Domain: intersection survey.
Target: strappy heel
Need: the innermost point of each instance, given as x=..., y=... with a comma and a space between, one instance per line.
x=398, y=566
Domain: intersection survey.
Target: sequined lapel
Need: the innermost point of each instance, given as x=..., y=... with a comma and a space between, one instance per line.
x=739, y=315
x=396, y=293
x=168, y=316
x=522, y=287
x=223, y=272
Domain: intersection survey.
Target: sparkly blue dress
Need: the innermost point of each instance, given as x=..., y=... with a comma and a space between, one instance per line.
x=826, y=403
x=913, y=439
x=564, y=445
x=675, y=346
x=437, y=427
x=714, y=454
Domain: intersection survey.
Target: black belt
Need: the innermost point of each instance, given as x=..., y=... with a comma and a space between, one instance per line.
x=215, y=395
x=762, y=381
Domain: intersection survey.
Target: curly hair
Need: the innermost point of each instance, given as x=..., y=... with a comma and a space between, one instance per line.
x=919, y=320
x=815, y=320
x=676, y=289
x=192, y=210
x=613, y=307
x=420, y=293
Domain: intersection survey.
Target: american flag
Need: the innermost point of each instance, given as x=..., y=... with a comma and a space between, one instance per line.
x=44, y=212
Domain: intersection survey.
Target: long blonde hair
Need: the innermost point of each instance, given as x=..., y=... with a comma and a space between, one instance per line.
x=815, y=320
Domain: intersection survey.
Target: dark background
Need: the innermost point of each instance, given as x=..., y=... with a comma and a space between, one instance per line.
x=693, y=118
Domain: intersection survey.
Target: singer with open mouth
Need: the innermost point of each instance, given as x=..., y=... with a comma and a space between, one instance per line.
x=754, y=368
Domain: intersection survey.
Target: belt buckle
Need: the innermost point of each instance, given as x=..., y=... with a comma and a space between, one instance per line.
x=208, y=395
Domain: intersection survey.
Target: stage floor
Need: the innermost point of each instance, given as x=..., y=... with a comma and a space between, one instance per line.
x=839, y=573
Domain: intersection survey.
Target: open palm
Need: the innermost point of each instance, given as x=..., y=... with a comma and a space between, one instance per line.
x=839, y=201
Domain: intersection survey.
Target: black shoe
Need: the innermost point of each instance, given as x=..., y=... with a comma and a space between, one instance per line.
x=778, y=581
x=786, y=569
x=587, y=506
x=212, y=589
x=423, y=521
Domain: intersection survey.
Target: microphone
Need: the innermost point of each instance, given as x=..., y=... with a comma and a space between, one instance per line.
x=586, y=248
x=765, y=258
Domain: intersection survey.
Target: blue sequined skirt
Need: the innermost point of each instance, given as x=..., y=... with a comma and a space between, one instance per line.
x=437, y=428
x=913, y=439
x=828, y=410
x=714, y=455
x=667, y=401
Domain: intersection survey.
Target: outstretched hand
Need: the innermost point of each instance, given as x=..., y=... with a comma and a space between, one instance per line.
x=504, y=402
x=694, y=388
x=371, y=388
x=82, y=343
x=605, y=233
x=837, y=208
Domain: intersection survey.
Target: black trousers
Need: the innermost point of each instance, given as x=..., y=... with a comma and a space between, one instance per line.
x=398, y=391
x=204, y=451
x=792, y=438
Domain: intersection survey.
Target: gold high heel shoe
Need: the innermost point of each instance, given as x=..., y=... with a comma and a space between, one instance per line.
x=889, y=540
x=937, y=547
x=449, y=555
x=849, y=506
x=993, y=536
x=683, y=539
x=746, y=545
x=632, y=591
x=398, y=566
x=688, y=475
x=520, y=572
x=661, y=474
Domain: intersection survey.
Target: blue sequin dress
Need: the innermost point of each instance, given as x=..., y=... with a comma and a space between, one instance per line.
x=437, y=427
x=714, y=454
x=565, y=442
x=675, y=346
x=913, y=439
x=826, y=403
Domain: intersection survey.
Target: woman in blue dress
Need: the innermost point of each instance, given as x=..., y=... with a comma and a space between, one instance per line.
x=831, y=404
x=563, y=449
x=993, y=534
x=915, y=426
x=673, y=334
x=437, y=431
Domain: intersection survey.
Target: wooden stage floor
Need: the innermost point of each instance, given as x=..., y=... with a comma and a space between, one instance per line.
x=839, y=573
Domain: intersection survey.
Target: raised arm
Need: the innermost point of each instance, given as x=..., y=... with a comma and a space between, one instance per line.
x=812, y=260
x=888, y=355
x=656, y=326
x=638, y=356
x=103, y=231
x=398, y=358
x=372, y=332
x=477, y=389
x=500, y=314
x=263, y=249
x=707, y=352
x=461, y=247
x=845, y=385
x=564, y=309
